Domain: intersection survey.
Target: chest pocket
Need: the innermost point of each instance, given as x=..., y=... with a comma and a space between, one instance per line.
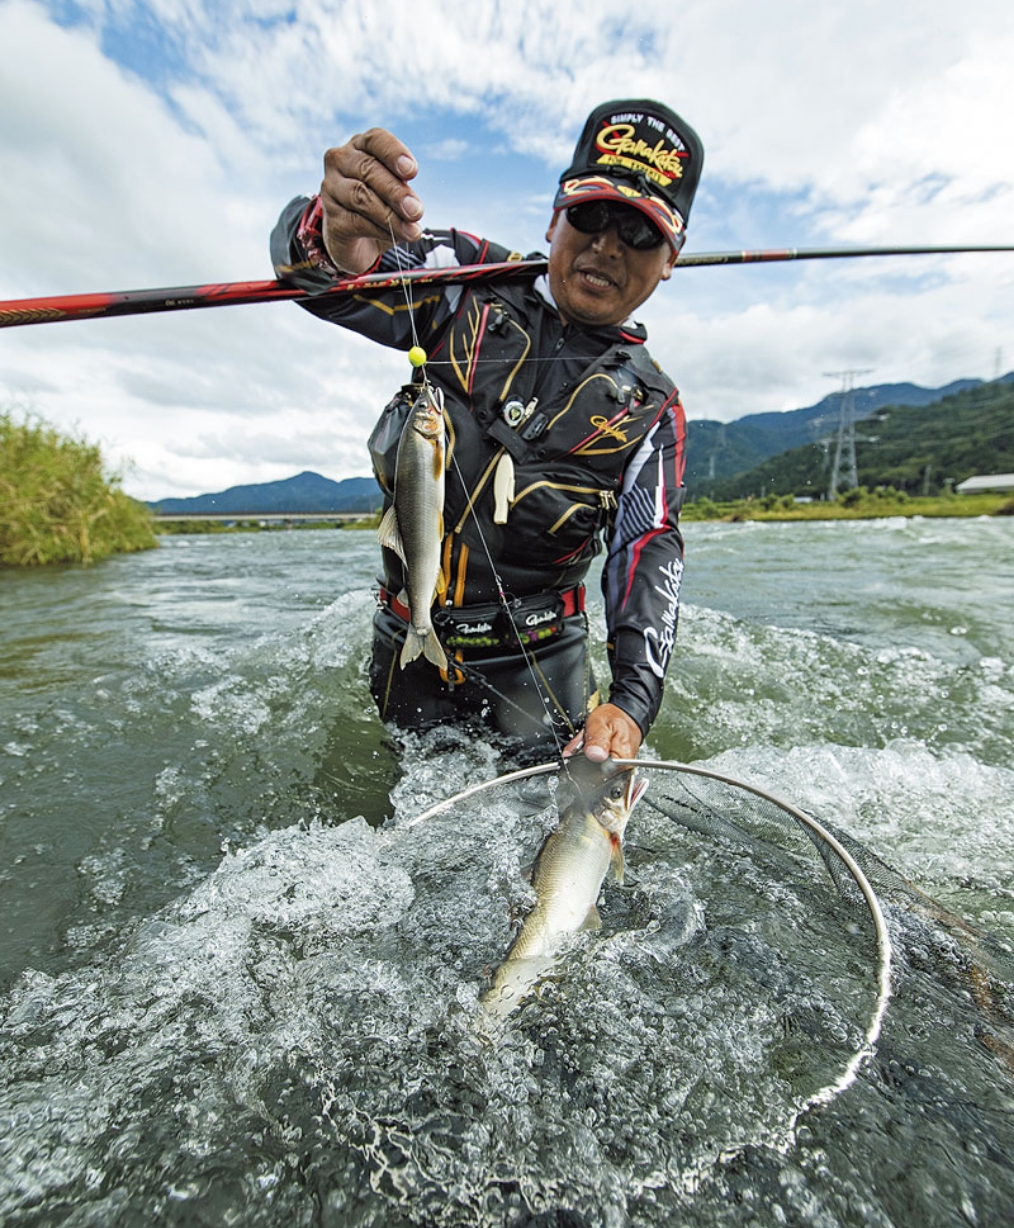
x=487, y=332
x=556, y=514
x=608, y=414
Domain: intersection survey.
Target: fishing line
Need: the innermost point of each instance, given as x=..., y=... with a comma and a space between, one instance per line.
x=407, y=288
x=501, y=594
x=477, y=676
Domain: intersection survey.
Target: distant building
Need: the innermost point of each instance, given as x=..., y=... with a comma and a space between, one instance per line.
x=983, y=482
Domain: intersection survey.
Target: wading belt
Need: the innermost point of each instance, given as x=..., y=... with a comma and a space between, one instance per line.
x=521, y=622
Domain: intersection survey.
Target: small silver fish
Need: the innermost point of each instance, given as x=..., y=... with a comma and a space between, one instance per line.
x=413, y=526
x=569, y=871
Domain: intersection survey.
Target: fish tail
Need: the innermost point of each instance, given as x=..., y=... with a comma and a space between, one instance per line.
x=434, y=650
x=412, y=647
x=427, y=645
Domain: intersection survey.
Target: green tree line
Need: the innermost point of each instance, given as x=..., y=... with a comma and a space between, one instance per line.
x=58, y=504
x=919, y=450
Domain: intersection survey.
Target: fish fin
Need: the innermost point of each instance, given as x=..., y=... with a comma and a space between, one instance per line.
x=618, y=863
x=412, y=647
x=434, y=650
x=389, y=534
x=441, y=583
x=427, y=645
x=593, y=921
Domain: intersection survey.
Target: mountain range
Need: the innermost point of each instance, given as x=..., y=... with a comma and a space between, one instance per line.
x=917, y=449
x=306, y=492
x=717, y=450
x=723, y=457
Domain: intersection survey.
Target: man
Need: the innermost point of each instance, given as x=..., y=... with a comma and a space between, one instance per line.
x=559, y=428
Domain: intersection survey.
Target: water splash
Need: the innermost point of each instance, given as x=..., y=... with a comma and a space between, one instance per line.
x=306, y=1017
x=216, y=1042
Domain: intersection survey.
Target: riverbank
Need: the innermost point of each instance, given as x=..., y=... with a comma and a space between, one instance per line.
x=59, y=502
x=773, y=508
x=173, y=528
x=853, y=505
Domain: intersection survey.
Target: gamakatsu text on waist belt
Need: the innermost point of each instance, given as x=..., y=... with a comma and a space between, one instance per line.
x=523, y=622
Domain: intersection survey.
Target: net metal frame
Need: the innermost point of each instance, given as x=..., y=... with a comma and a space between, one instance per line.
x=814, y=829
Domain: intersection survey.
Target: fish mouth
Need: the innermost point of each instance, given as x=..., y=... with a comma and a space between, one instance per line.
x=614, y=810
x=637, y=786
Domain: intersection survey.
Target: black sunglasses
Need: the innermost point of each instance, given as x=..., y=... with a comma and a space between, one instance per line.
x=592, y=217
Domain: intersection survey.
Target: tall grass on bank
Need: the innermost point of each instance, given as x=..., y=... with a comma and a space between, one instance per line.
x=857, y=504
x=57, y=503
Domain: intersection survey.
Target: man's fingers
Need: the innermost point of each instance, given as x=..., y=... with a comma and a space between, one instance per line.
x=353, y=212
x=385, y=147
x=373, y=183
x=367, y=178
x=574, y=745
x=366, y=198
x=609, y=733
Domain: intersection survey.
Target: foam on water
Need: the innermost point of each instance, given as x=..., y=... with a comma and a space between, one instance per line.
x=782, y=686
x=283, y=1032
x=303, y=1025
x=947, y=819
x=160, y=748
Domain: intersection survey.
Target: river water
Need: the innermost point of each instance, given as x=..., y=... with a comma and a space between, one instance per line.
x=238, y=988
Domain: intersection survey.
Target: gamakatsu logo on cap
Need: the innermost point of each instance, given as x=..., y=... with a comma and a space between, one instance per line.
x=621, y=147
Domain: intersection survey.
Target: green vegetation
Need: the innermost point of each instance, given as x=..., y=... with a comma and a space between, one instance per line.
x=273, y=525
x=918, y=450
x=858, y=504
x=57, y=503
x=372, y=521
x=173, y=527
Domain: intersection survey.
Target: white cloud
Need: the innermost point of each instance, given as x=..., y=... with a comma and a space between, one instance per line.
x=840, y=122
x=98, y=176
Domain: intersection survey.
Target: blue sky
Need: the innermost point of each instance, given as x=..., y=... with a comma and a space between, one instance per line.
x=153, y=144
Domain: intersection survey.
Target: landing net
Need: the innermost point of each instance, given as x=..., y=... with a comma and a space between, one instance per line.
x=779, y=839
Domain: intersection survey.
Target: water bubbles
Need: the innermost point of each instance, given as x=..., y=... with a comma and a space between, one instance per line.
x=107, y=875
x=229, y=701
x=321, y=988
x=993, y=668
x=287, y=1033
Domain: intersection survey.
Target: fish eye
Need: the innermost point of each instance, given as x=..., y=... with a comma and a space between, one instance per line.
x=617, y=791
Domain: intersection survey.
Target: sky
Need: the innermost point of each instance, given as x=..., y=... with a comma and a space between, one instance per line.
x=154, y=144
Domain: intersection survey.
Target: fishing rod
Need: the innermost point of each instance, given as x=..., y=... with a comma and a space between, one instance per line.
x=53, y=309
x=233, y=293
x=774, y=255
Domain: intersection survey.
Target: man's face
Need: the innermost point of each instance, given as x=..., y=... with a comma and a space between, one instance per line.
x=598, y=279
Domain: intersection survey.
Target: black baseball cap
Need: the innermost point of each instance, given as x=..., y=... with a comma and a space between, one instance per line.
x=641, y=153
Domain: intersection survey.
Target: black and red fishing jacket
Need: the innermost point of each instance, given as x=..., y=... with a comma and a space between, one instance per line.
x=589, y=427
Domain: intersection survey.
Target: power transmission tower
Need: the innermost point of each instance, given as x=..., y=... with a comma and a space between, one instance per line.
x=845, y=448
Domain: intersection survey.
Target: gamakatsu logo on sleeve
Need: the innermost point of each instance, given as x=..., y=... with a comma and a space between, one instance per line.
x=621, y=146
x=658, y=644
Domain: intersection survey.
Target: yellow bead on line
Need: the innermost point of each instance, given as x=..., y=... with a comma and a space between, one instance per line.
x=417, y=356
